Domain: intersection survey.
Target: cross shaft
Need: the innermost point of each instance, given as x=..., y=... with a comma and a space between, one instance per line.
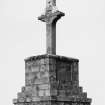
x=51, y=16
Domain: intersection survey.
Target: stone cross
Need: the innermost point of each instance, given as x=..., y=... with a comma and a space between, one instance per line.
x=51, y=15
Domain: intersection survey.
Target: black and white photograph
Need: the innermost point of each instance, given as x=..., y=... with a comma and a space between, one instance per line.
x=52, y=52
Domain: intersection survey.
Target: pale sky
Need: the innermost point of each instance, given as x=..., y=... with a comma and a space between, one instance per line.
x=80, y=34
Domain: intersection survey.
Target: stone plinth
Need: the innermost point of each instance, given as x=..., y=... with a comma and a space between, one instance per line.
x=51, y=79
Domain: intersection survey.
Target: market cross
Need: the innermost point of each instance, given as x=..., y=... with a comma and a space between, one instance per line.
x=51, y=79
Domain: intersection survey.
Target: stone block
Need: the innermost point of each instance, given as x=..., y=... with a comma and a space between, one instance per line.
x=84, y=95
x=15, y=101
x=75, y=91
x=41, y=92
x=28, y=88
x=52, y=61
x=21, y=95
x=46, y=60
x=53, y=92
x=45, y=100
x=20, y=100
x=47, y=92
x=35, y=91
x=35, y=99
x=42, y=61
x=68, y=92
x=42, y=68
x=80, y=90
x=35, y=68
x=47, y=67
x=61, y=92
x=35, y=94
x=52, y=68
x=44, y=74
x=23, y=89
x=53, y=85
x=52, y=79
x=37, y=62
x=44, y=86
x=28, y=99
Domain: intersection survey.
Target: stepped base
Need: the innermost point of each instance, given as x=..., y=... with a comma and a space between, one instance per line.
x=51, y=79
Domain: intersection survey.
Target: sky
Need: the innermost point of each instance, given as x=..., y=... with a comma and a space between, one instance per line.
x=80, y=34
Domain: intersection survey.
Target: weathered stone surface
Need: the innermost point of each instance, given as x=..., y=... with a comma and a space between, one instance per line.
x=47, y=92
x=41, y=92
x=21, y=95
x=44, y=86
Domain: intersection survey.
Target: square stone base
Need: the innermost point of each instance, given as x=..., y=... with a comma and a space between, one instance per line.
x=51, y=79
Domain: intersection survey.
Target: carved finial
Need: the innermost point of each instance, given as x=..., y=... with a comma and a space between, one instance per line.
x=51, y=6
x=50, y=3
